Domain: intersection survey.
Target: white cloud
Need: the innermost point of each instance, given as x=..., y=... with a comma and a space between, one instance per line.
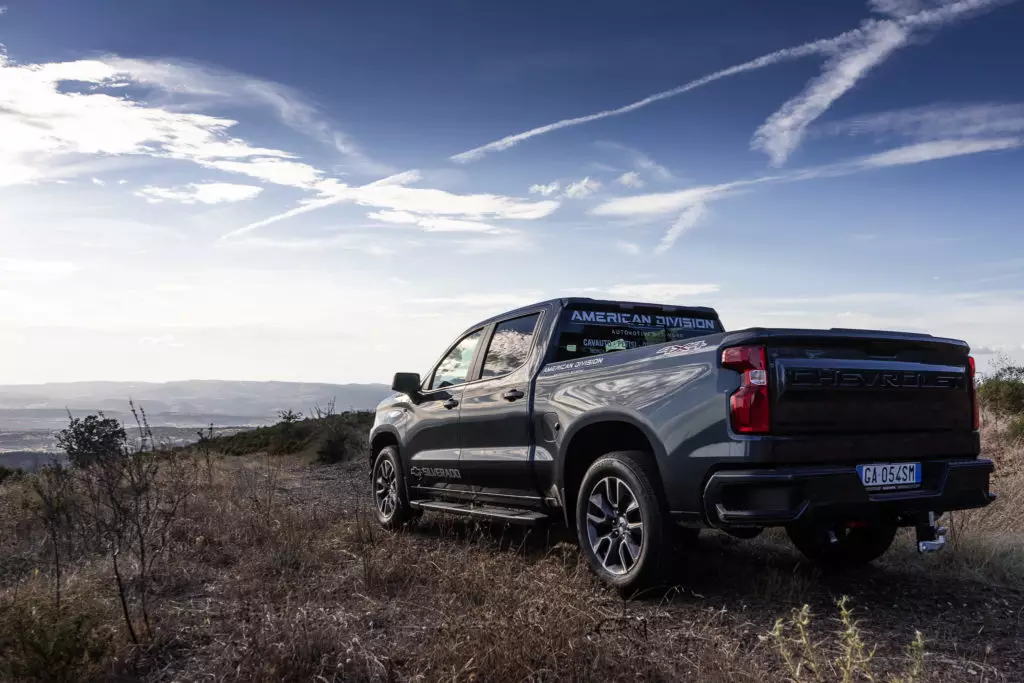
x=97, y=181
x=784, y=130
x=369, y=244
x=641, y=160
x=436, y=223
x=659, y=203
x=44, y=125
x=630, y=248
x=272, y=170
x=630, y=179
x=201, y=193
x=212, y=84
x=687, y=220
x=581, y=188
x=34, y=270
x=896, y=8
x=392, y=194
x=855, y=57
x=660, y=292
x=936, y=122
x=934, y=150
x=545, y=190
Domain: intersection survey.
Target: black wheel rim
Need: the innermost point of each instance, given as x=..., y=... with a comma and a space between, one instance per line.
x=615, y=526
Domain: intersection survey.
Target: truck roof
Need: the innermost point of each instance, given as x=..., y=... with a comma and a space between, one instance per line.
x=569, y=301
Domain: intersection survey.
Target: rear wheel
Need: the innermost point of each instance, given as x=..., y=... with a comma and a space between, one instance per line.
x=842, y=545
x=388, y=489
x=620, y=520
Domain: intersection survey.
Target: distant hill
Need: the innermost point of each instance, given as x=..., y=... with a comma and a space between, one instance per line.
x=192, y=403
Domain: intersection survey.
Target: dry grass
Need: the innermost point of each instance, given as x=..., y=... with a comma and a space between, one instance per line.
x=277, y=572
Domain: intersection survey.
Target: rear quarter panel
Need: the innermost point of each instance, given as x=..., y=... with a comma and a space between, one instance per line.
x=674, y=393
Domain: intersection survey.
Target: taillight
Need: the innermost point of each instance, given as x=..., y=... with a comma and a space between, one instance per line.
x=748, y=406
x=975, y=411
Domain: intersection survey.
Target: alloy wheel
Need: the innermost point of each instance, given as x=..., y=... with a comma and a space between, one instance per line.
x=615, y=525
x=385, y=488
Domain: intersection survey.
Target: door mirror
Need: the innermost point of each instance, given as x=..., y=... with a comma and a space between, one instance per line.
x=406, y=383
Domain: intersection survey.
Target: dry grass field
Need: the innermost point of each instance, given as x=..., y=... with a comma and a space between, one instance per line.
x=256, y=567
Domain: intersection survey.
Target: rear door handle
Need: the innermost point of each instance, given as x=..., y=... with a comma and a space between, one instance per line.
x=450, y=403
x=512, y=395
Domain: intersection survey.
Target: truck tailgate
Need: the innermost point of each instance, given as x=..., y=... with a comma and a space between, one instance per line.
x=857, y=382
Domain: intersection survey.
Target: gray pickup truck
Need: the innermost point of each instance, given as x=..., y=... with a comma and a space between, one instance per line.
x=639, y=424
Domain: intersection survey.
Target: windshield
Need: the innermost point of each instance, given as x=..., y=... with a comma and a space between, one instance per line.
x=591, y=330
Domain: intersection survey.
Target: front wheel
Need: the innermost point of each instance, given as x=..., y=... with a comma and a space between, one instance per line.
x=839, y=545
x=620, y=520
x=389, y=500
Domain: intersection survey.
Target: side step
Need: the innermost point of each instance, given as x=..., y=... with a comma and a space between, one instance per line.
x=527, y=517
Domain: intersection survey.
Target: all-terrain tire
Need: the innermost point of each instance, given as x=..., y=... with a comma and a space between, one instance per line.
x=842, y=546
x=387, y=490
x=621, y=520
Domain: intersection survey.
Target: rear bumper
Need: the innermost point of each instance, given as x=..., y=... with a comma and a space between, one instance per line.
x=780, y=496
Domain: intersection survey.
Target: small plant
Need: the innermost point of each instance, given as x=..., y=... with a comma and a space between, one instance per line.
x=811, y=661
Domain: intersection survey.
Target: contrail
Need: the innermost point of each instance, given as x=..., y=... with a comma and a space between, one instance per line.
x=824, y=46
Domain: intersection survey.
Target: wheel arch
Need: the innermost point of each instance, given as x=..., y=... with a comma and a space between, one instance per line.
x=382, y=438
x=602, y=433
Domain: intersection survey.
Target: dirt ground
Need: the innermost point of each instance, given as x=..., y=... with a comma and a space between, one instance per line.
x=973, y=624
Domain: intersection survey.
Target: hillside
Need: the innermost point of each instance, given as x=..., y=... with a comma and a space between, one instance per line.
x=29, y=414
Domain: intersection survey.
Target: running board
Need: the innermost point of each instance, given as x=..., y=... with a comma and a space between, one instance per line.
x=512, y=515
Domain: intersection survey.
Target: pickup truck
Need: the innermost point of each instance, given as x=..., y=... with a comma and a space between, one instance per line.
x=639, y=424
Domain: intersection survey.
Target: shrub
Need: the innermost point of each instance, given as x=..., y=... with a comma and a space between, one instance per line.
x=41, y=642
x=1002, y=392
x=1015, y=429
x=8, y=473
x=92, y=439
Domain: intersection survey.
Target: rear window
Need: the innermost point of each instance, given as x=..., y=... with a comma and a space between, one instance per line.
x=589, y=331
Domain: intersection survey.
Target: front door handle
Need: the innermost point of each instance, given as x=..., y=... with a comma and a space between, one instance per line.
x=450, y=403
x=512, y=395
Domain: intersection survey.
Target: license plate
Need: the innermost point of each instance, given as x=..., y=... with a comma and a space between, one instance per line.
x=890, y=476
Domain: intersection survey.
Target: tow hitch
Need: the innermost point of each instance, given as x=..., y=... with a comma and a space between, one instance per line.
x=930, y=538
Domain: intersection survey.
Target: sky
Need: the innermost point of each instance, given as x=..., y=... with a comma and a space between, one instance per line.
x=333, y=191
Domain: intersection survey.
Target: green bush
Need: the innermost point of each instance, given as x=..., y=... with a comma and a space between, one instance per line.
x=8, y=473
x=1015, y=429
x=1002, y=392
x=40, y=642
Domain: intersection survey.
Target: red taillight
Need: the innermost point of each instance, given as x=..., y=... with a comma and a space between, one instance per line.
x=748, y=406
x=975, y=411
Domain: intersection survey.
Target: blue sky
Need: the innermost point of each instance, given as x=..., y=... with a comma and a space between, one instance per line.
x=250, y=191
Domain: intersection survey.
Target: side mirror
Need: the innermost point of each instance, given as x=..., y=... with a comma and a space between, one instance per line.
x=406, y=383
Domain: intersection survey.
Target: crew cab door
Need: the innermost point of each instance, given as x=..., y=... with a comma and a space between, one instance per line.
x=432, y=442
x=494, y=424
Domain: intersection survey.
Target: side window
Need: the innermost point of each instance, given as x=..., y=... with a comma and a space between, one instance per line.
x=510, y=345
x=454, y=368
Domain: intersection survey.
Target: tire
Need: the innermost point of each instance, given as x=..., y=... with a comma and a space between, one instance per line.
x=621, y=521
x=387, y=490
x=840, y=545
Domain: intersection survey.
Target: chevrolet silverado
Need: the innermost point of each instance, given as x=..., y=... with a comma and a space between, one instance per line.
x=639, y=424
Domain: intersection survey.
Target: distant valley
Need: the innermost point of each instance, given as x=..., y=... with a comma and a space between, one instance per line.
x=30, y=414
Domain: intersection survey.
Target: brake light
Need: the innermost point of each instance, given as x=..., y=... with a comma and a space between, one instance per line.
x=749, y=405
x=975, y=410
